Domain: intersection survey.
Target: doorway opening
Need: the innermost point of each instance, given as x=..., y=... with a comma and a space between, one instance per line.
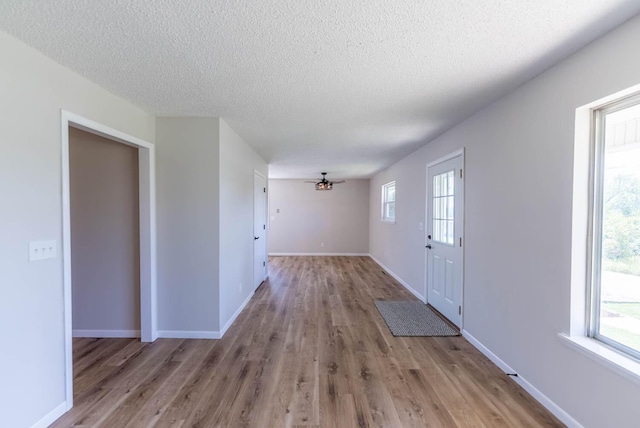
x=105, y=244
x=445, y=236
x=71, y=124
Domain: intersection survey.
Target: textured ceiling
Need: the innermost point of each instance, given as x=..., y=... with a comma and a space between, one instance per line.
x=348, y=87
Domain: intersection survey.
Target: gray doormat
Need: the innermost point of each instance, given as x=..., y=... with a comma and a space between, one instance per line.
x=413, y=318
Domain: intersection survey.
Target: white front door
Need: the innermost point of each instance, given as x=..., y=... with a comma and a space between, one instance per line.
x=259, y=229
x=444, y=238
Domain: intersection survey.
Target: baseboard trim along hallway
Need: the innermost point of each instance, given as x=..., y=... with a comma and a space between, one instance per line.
x=535, y=393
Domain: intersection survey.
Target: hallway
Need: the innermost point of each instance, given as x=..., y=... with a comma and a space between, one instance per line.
x=310, y=349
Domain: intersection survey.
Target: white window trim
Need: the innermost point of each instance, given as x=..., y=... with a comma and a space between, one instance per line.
x=598, y=351
x=582, y=235
x=383, y=203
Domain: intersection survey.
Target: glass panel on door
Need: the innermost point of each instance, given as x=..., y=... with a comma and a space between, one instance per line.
x=443, y=207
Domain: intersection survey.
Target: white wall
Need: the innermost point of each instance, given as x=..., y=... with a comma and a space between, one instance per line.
x=308, y=217
x=518, y=187
x=205, y=224
x=33, y=89
x=105, y=243
x=400, y=245
x=238, y=161
x=187, y=170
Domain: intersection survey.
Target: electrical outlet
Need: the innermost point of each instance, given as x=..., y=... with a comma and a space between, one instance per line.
x=322, y=245
x=42, y=250
x=240, y=288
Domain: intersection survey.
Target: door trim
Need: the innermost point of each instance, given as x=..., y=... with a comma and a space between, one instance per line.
x=147, y=207
x=452, y=155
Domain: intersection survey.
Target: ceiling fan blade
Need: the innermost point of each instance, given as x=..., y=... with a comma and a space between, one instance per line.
x=308, y=181
x=339, y=181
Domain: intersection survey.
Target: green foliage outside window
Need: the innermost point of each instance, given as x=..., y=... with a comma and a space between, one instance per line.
x=621, y=234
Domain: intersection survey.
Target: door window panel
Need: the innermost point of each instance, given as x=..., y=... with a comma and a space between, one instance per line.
x=443, y=207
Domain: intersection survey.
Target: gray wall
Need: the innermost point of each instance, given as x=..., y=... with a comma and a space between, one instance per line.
x=33, y=89
x=307, y=217
x=105, y=244
x=518, y=194
x=187, y=170
x=238, y=161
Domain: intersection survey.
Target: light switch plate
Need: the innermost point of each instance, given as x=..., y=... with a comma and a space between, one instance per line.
x=42, y=250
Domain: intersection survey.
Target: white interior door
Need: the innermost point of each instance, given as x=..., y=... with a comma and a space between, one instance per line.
x=444, y=238
x=259, y=229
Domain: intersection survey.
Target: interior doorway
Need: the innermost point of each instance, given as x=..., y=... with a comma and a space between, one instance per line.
x=259, y=229
x=105, y=236
x=146, y=232
x=444, y=240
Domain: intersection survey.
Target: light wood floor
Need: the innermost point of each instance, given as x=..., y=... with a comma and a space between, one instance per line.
x=310, y=349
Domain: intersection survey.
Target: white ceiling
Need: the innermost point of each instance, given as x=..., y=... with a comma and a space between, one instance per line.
x=347, y=87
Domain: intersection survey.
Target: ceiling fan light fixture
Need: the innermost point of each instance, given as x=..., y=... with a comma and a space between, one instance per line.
x=324, y=185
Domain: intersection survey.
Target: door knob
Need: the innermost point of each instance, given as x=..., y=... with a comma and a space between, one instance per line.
x=256, y=237
x=428, y=246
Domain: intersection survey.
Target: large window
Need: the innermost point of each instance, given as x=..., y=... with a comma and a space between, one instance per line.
x=389, y=202
x=614, y=303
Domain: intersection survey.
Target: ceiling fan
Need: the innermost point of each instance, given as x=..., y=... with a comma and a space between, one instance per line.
x=325, y=184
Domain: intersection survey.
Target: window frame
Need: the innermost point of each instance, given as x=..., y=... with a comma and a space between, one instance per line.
x=597, y=152
x=384, y=202
x=574, y=335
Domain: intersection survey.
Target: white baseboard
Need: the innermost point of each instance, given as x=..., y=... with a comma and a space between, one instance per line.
x=204, y=334
x=106, y=333
x=535, y=392
x=235, y=315
x=400, y=280
x=51, y=417
x=320, y=254
x=188, y=334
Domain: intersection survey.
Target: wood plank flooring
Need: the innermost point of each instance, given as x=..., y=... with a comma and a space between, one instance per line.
x=309, y=350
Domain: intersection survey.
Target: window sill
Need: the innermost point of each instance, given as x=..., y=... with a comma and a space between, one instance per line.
x=388, y=221
x=625, y=366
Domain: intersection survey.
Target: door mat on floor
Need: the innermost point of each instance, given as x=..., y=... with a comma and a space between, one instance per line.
x=413, y=318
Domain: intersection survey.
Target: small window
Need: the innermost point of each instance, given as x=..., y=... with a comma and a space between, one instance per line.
x=614, y=312
x=443, y=207
x=389, y=202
